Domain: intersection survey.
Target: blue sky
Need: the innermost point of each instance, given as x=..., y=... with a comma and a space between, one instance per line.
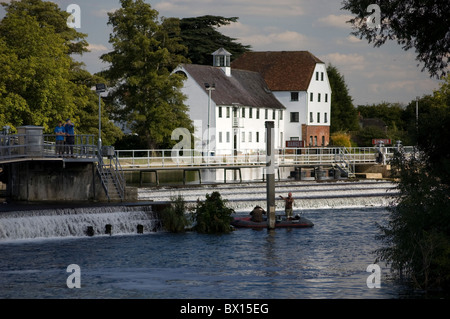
x=373, y=75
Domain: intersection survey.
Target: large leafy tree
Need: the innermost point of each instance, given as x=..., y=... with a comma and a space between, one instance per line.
x=201, y=37
x=40, y=83
x=343, y=113
x=144, y=91
x=418, y=24
x=417, y=236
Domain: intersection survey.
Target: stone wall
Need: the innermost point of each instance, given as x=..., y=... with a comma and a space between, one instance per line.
x=54, y=182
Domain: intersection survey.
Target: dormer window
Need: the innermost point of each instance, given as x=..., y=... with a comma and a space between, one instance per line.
x=222, y=59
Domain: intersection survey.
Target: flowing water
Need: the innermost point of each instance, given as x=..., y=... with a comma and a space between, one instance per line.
x=328, y=260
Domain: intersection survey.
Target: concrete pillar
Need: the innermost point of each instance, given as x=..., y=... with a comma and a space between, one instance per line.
x=270, y=174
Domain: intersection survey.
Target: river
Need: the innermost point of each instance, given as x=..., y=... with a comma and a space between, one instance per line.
x=328, y=261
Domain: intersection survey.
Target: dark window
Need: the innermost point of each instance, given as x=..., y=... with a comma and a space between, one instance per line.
x=295, y=117
x=294, y=96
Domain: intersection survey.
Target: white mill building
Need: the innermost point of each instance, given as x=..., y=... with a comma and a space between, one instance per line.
x=230, y=103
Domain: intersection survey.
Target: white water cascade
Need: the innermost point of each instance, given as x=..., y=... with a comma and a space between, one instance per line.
x=307, y=194
x=74, y=222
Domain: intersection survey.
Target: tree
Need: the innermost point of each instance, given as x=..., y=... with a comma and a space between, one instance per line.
x=418, y=24
x=201, y=37
x=145, y=93
x=389, y=113
x=343, y=113
x=40, y=83
x=417, y=236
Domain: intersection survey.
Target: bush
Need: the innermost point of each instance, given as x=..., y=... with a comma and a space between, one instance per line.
x=416, y=238
x=174, y=218
x=212, y=216
x=341, y=139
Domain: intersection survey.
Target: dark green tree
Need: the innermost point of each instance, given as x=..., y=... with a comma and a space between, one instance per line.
x=201, y=37
x=389, y=113
x=212, y=215
x=343, y=113
x=417, y=236
x=145, y=94
x=422, y=25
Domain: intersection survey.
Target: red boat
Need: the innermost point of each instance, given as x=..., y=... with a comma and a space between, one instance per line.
x=280, y=222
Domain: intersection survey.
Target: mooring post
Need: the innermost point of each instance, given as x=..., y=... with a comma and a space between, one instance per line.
x=270, y=174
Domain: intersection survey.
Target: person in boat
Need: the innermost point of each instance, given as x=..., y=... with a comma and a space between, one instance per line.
x=257, y=214
x=288, y=202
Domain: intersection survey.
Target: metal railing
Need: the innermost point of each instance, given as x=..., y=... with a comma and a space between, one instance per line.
x=110, y=171
x=19, y=146
x=286, y=157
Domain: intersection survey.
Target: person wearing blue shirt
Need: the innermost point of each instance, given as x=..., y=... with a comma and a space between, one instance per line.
x=60, y=136
x=70, y=136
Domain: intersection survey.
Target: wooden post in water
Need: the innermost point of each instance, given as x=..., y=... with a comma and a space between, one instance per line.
x=270, y=174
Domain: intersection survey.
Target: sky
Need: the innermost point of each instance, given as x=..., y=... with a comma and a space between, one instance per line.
x=373, y=75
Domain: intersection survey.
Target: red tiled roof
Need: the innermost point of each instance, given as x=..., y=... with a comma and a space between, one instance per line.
x=282, y=70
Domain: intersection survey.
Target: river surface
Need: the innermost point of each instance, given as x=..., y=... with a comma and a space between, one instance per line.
x=326, y=261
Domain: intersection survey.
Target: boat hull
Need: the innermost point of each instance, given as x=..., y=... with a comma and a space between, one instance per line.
x=246, y=222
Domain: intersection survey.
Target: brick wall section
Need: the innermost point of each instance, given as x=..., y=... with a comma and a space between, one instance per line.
x=319, y=131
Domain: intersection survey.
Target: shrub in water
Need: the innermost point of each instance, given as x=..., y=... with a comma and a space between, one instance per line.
x=174, y=218
x=212, y=215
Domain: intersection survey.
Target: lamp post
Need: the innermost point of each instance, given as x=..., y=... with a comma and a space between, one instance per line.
x=99, y=89
x=209, y=88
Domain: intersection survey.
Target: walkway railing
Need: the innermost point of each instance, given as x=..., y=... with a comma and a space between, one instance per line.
x=284, y=157
x=44, y=146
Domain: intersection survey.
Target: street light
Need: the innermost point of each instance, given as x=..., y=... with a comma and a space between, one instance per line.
x=209, y=88
x=100, y=88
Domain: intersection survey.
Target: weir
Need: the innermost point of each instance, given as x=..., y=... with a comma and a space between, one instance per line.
x=78, y=222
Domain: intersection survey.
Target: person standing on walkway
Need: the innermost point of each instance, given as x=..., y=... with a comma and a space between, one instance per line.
x=70, y=136
x=60, y=136
x=289, y=201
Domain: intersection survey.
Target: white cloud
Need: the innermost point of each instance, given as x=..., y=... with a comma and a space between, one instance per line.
x=97, y=48
x=259, y=8
x=267, y=38
x=348, y=62
x=335, y=21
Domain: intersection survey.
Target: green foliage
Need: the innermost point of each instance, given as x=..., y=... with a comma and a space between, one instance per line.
x=422, y=25
x=389, y=113
x=174, y=218
x=40, y=83
x=145, y=94
x=201, y=37
x=343, y=113
x=417, y=236
x=364, y=136
x=341, y=139
x=212, y=215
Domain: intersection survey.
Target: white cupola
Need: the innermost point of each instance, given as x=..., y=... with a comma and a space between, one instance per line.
x=222, y=59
